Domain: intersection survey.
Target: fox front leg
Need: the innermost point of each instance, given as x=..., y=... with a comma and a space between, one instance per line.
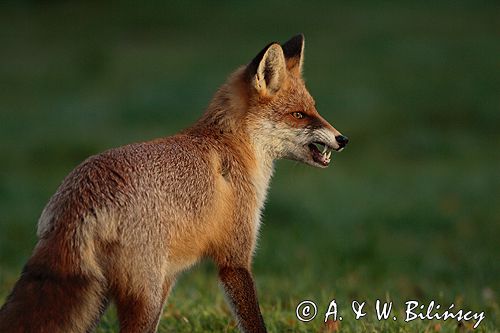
x=240, y=290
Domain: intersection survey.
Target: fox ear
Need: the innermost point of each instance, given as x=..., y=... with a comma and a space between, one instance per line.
x=267, y=70
x=294, y=54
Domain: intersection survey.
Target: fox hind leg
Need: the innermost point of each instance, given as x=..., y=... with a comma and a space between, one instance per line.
x=141, y=312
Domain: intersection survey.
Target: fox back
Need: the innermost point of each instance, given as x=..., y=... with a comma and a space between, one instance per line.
x=126, y=222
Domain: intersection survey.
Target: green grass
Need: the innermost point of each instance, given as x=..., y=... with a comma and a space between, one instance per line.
x=411, y=210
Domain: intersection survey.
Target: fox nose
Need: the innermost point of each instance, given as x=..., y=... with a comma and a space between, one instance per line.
x=342, y=140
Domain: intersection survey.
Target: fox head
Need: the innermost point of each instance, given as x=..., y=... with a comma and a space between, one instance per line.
x=281, y=115
x=268, y=100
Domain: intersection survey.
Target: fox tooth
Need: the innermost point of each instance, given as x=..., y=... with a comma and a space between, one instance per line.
x=324, y=149
x=329, y=154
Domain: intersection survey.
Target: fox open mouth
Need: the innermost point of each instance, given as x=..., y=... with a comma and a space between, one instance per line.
x=321, y=153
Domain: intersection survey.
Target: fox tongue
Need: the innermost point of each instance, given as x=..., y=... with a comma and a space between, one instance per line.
x=317, y=156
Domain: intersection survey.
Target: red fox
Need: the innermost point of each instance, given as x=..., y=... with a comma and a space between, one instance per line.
x=126, y=222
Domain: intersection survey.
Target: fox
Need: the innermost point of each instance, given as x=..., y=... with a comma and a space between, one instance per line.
x=125, y=223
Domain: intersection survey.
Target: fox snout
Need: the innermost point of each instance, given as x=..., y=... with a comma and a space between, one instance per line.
x=337, y=140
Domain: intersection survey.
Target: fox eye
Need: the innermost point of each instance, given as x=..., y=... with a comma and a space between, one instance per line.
x=298, y=115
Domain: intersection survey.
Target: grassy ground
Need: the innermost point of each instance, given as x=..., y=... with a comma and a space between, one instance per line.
x=410, y=210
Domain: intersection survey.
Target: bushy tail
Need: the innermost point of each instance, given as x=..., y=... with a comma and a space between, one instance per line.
x=46, y=301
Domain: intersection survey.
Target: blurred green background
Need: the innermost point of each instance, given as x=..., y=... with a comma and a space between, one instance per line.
x=410, y=210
